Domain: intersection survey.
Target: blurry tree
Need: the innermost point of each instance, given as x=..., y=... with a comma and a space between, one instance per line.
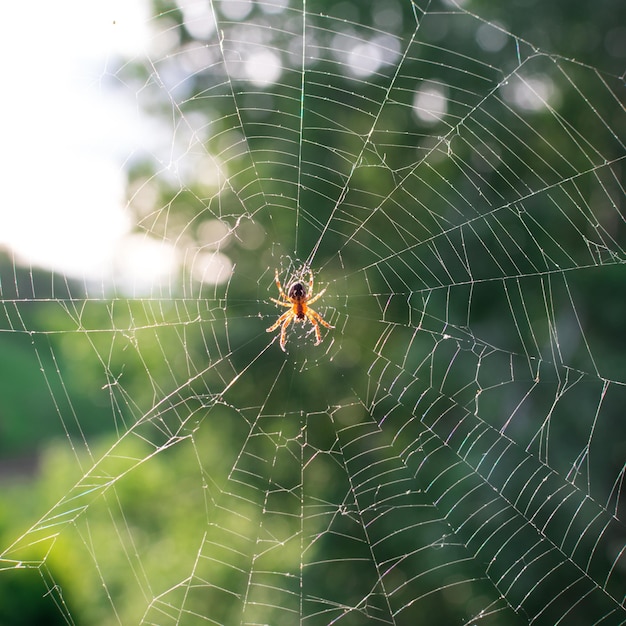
x=274, y=173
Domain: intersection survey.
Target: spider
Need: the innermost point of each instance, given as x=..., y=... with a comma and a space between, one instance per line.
x=298, y=300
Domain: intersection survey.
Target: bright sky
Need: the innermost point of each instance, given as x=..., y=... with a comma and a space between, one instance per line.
x=66, y=134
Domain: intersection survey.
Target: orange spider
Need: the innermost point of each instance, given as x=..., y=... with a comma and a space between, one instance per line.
x=298, y=301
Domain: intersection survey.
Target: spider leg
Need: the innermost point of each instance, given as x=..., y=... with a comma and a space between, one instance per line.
x=281, y=302
x=316, y=296
x=278, y=322
x=283, y=331
x=280, y=288
x=316, y=328
x=319, y=318
x=314, y=318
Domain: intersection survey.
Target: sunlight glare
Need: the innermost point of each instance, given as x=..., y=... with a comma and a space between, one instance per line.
x=70, y=134
x=263, y=68
x=430, y=103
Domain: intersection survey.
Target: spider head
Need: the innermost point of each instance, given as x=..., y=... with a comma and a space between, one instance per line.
x=297, y=291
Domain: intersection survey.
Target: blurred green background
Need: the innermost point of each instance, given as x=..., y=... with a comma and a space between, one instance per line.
x=160, y=462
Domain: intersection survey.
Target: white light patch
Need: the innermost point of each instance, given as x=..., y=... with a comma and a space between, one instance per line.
x=235, y=9
x=142, y=265
x=531, y=93
x=273, y=7
x=490, y=38
x=213, y=268
x=263, y=68
x=364, y=59
x=74, y=222
x=198, y=18
x=430, y=103
x=388, y=48
x=388, y=15
x=214, y=234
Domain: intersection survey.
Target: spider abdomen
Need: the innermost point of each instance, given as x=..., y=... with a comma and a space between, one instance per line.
x=297, y=294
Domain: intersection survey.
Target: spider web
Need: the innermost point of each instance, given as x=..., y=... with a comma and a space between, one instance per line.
x=453, y=450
